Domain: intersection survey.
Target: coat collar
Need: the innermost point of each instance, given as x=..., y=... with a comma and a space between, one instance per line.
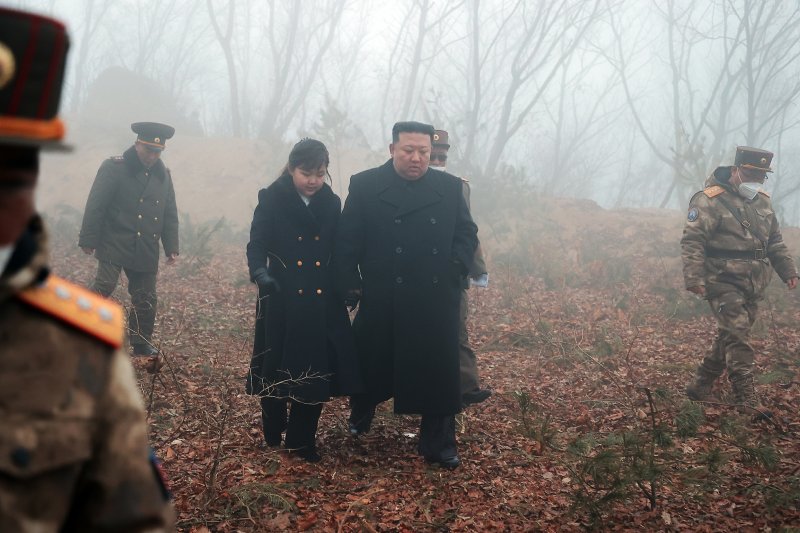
x=136, y=167
x=408, y=196
x=310, y=214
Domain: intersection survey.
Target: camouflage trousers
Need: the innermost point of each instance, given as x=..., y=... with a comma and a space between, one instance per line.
x=735, y=313
x=142, y=289
x=466, y=356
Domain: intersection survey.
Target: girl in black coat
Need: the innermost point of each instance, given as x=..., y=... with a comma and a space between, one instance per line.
x=304, y=352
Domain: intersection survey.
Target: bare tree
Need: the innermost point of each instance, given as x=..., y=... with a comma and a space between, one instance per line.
x=224, y=39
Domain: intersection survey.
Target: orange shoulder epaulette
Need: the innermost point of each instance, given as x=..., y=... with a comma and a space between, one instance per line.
x=765, y=193
x=78, y=307
x=714, y=190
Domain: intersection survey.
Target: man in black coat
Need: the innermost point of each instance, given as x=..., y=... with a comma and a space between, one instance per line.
x=404, y=242
x=130, y=209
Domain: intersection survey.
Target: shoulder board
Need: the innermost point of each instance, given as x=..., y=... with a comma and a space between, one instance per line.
x=465, y=180
x=714, y=190
x=765, y=193
x=78, y=307
x=117, y=158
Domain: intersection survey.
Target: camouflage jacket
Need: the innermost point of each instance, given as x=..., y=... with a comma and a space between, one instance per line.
x=718, y=248
x=74, y=454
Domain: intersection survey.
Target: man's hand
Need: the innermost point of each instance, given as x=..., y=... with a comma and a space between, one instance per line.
x=172, y=259
x=480, y=281
x=87, y=251
x=266, y=283
x=352, y=298
x=699, y=290
x=791, y=283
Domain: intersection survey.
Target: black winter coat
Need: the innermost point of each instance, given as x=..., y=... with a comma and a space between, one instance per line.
x=405, y=245
x=303, y=339
x=129, y=210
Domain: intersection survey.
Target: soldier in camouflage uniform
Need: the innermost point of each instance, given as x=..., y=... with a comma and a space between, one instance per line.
x=73, y=440
x=730, y=244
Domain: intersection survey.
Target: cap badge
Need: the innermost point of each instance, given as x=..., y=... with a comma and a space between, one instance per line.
x=157, y=139
x=7, y=65
x=435, y=136
x=763, y=160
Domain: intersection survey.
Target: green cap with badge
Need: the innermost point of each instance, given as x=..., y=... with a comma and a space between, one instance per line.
x=153, y=135
x=755, y=158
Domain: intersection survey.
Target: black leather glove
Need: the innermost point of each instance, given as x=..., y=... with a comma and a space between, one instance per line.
x=352, y=298
x=266, y=283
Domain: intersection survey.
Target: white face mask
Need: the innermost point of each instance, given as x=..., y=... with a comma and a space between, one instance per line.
x=5, y=255
x=749, y=190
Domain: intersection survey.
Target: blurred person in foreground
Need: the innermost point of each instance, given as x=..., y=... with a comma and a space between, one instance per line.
x=471, y=392
x=405, y=242
x=731, y=242
x=73, y=439
x=304, y=351
x=130, y=209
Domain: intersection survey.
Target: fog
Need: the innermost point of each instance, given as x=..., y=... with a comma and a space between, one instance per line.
x=631, y=104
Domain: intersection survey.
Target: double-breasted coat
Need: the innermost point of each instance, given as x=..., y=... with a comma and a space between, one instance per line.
x=129, y=210
x=303, y=337
x=407, y=245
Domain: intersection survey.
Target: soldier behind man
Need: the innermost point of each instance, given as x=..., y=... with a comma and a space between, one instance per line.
x=730, y=241
x=130, y=208
x=471, y=392
x=73, y=439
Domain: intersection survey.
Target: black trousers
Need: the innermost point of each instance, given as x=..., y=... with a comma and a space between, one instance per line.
x=437, y=433
x=144, y=301
x=299, y=420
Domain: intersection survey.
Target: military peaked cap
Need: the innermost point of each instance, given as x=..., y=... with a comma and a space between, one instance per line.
x=440, y=138
x=33, y=53
x=754, y=158
x=153, y=134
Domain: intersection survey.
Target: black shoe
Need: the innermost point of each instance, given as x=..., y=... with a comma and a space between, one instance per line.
x=475, y=396
x=307, y=454
x=449, y=463
x=144, y=350
x=273, y=442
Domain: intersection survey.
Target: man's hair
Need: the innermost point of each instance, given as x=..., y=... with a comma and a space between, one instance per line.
x=411, y=127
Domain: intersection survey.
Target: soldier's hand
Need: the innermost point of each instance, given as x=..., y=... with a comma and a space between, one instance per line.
x=792, y=283
x=172, y=259
x=266, y=283
x=698, y=290
x=87, y=251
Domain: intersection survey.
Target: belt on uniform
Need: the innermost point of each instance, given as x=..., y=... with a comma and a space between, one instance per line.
x=716, y=253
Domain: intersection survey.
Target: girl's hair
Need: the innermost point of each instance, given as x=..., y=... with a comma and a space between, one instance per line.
x=308, y=154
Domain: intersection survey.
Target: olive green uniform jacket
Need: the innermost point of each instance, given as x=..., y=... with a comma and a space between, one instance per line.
x=712, y=230
x=74, y=454
x=129, y=210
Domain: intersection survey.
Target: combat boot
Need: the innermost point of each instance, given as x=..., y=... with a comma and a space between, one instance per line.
x=700, y=388
x=744, y=394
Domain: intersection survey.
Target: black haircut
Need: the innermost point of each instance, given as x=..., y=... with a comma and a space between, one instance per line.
x=411, y=127
x=308, y=154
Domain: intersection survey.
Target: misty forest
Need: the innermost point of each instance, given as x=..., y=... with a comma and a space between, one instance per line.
x=584, y=128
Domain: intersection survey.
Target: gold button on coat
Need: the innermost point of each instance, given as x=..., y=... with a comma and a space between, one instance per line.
x=300, y=239
x=316, y=237
x=318, y=263
x=299, y=291
x=299, y=263
x=319, y=291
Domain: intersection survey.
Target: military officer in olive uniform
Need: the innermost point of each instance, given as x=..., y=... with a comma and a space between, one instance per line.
x=471, y=392
x=130, y=209
x=731, y=243
x=73, y=439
